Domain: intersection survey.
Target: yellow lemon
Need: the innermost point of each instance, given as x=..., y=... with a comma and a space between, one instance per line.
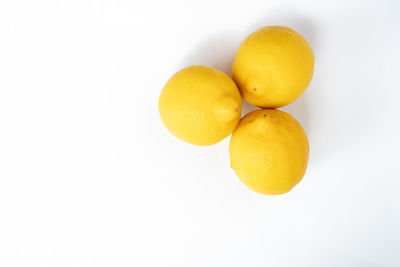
x=200, y=105
x=269, y=151
x=273, y=66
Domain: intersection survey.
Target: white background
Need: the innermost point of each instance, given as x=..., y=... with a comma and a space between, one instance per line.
x=89, y=176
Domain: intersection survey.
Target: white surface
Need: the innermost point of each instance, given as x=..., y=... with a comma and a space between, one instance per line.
x=89, y=176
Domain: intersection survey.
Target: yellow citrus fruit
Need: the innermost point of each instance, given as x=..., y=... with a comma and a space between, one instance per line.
x=200, y=105
x=269, y=151
x=273, y=66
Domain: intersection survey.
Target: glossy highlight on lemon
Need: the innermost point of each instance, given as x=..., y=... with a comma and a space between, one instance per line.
x=273, y=66
x=269, y=151
x=200, y=105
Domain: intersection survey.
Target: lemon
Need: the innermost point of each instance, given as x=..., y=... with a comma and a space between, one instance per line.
x=200, y=105
x=273, y=66
x=269, y=151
